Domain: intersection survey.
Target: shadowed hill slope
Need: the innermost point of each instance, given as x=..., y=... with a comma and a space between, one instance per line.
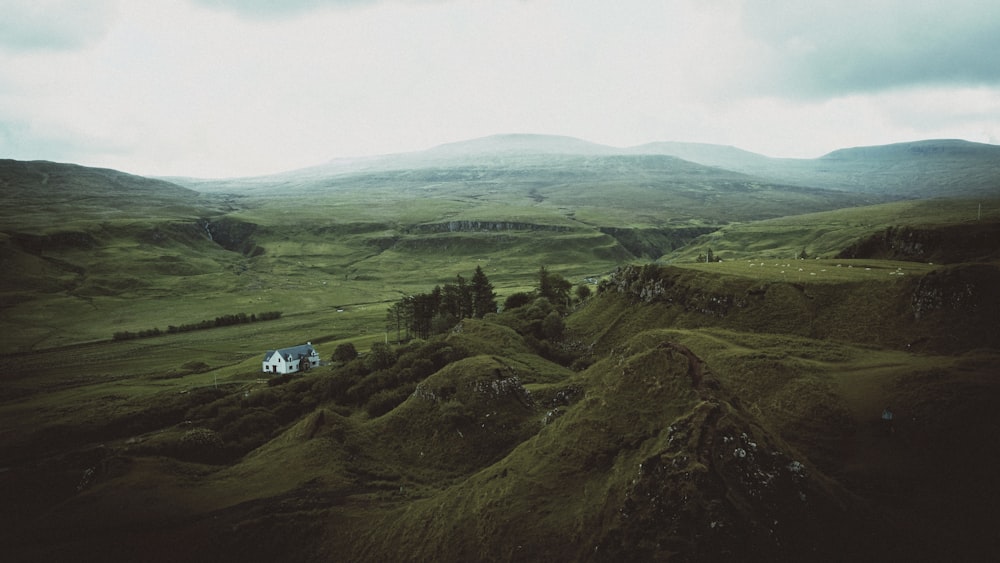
x=645, y=455
x=716, y=411
x=68, y=193
x=721, y=416
x=651, y=460
x=933, y=230
x=945, y=310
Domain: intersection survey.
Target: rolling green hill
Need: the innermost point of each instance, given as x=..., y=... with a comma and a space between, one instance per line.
x=693, y=411
x=921, y=169
x=89, y=250
x=905, y=230
x=693, y=424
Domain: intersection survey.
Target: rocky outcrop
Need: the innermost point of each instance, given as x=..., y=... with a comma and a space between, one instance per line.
x=949, y=310
x=960, y=290
x=651, y=283
x=471, y=226
x=233, y=235
x=949, y=244
x=958, y=306
x=721, y=489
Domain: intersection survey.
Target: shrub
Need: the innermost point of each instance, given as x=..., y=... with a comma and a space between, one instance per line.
x=250, y=429
x=280, y=380
x=553, y=326
x=422, y=368
x=344, y=353
x=335, y=387
x=380, y=356
x=369, y=385
x=287, y=412
x=387, y=399
x=516, y=300
x=200, y=444
x=264, y=398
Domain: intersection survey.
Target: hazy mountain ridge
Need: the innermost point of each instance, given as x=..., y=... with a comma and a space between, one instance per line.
x=918, y=149
x=902, y=170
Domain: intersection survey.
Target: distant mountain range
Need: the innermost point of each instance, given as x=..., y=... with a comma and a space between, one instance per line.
x=921, y=169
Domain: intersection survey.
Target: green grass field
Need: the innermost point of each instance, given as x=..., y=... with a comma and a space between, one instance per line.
x=617, y=439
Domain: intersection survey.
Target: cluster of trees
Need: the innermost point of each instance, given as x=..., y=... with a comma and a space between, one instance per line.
x=224, y=320
x=424, y=314
x=387, y=375
x=551, y=286
x=711, y=257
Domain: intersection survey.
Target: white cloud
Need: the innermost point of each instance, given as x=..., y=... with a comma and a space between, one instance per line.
x=54, y=24
x=176, y=87
x=270, y=9
x=819, y=49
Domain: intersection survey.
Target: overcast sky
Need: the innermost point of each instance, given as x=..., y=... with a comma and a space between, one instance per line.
x=232, y=88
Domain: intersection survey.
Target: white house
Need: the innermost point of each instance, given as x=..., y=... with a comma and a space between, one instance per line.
x=289, y=360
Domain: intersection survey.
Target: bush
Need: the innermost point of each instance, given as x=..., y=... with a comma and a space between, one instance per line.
x=280, y=380
x=372, y=383
x=553, y=326
x=344, y=353
x=264, y=398
x=287, y=412
x=516, y=300
x=335, y=388
x=380, y=356
x=201, y=444
x=249, y=429
x=387, y=399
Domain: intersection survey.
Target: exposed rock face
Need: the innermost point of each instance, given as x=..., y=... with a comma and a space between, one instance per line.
x=955, y=307
x=650, y=284
x=959, y=306
x=942, y=244
x=722, y=489
x=654, y=461
x=236, y=236
x=958, y=290
x=483, y=226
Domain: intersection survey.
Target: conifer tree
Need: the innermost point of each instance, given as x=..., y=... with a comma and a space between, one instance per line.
x=484, y=299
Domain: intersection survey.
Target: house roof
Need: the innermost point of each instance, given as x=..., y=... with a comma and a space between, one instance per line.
x=295, y=352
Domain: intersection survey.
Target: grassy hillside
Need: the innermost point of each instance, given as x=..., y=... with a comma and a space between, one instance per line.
x=828, y=234
x=931, y=168
x=87, y=250
x=697, y=411
x=92, y=252
x=46, y=197
x=687, y=429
